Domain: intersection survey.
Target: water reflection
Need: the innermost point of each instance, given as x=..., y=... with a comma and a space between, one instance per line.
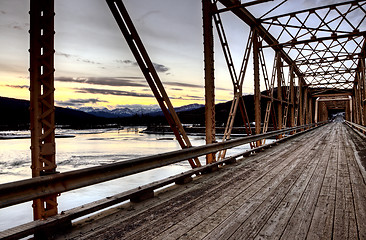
x=89, y=148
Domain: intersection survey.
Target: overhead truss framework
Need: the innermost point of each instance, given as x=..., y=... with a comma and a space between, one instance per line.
x=319, y=65
x=325, y=42
x=316, y=50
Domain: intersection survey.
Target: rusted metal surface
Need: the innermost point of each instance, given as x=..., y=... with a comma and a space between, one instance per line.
x=257, y=92
x=323, y=47
x=208, y=43
x=63, y=220
x=279, y=91
x=326, y=51
x=359, y=127
x=237, y=80
x=147, y=67
x=42, y=99
x=25, y=190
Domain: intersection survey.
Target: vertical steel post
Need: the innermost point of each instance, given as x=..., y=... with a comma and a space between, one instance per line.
x=350, y=109
x=324, y=111
x=301, y=90
x=356, y=102
x=42, y=111
x=310, y=110
x=363, y=80
x=359, y=100
x=316, y=110
x=279, y=91
x=292, y=98
x=208, y=44
x=347, y=112
x=305, y=105
x=257, y=92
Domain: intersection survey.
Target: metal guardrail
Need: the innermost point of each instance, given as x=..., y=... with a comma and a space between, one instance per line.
x=65, y=218
x=356, y=126
x=33, y=188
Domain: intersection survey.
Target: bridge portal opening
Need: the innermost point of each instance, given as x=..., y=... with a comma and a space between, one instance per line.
x=329, y=107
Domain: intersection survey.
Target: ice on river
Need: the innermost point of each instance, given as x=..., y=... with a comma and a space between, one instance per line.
x=86, y=149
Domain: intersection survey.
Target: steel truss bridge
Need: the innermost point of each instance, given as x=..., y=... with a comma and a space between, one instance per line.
x=317, y=172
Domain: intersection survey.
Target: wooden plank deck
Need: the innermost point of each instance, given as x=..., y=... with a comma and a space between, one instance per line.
x=311, y=187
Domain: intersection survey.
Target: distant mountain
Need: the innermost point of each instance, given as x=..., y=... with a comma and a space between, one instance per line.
x=15, y=115
x=150, y=110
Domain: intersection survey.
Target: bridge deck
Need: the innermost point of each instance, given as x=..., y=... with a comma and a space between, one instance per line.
x=311, y=187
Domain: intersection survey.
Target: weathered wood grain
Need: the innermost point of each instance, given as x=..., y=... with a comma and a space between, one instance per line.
x=308, y=188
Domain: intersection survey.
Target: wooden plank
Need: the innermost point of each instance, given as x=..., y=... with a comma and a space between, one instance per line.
x=260, y=187
x=344, y=218
x=195, y=194
x=219, y=197
x=278, y=221
x=299, y=223
x=209, y=217
x=162, y=219
x=358, y=184
x=251, y=227
x=235, y=220
x=205, y=203
x=321, y=226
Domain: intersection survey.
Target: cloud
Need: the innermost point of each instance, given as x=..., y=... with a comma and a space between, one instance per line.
x=146, y=15
x=158, y=67
x=112, y=92
x=189, y=85
x=79, y=102
x=188, y=97
x=18, y=26
x=126, y=62
x=78, y=59
x=106, y=81
x=87, y=61
x=179, y=84
x=2, y=12
x=66, y=55
x=18, y=86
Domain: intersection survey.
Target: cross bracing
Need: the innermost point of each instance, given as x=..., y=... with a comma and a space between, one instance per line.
x=321, y=40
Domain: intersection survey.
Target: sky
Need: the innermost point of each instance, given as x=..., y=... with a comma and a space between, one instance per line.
x=94, y=66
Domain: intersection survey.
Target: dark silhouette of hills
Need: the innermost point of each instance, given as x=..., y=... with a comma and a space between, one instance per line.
x=15, y=115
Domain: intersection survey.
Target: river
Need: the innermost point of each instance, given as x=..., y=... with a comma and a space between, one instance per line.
x=86, y=149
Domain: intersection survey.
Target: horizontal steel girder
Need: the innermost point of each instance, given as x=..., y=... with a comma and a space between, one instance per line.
x=25, y=190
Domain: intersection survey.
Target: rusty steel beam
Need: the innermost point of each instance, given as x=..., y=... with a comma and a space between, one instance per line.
x=292, y=98
x=356, y=126
x=42, y=110
x=332, y=72
x=147, y=67
x=279, y=91
x=257, y=91
x=305, y=105
x=316, y=39
x=249, y=19
x=243, y=5
x=312, y=9
x=26, y=190
x=301, y=102
x=67, y=216
x=237, y=81
x=329, y=59
x=363, y=81
x=208, y=43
